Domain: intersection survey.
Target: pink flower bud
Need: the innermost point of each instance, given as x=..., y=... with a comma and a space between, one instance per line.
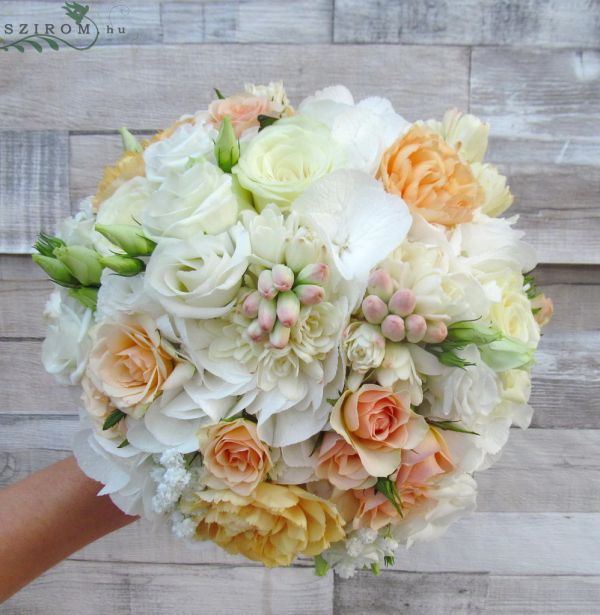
x=381, y=284
x=392, y=327
x=250, y=305
x=309, y=294
x=283, y=277
x=402, y=302
x=265, y=284
x=316, y=273
x=255, y=332
x=280, y=336
x=436, y=332
x=267, y=314
x=415, y=328
x=374, y=309
x=288, y=308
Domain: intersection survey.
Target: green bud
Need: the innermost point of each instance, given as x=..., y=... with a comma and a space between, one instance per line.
x=470, y=332
x=56, y=270
x=83, y=263
x=227, y=147
x=88, y=297
x=123, y=265
x=507, y=353
x=128, y=237
x=130, y=143
x=46, y=244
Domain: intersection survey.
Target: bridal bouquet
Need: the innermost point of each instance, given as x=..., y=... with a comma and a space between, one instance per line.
x=296, y=331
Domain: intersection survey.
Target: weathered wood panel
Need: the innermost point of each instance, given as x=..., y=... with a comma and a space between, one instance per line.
x=170, y=80
x=34, y=188
x=468, y=22
x=137, y=588
x=443, y=594
x=259, y=21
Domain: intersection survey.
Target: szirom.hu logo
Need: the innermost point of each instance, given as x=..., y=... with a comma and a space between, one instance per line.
x=81, y=32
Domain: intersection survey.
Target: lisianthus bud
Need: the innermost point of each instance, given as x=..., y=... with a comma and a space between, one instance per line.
x=416, y=328
x=472, y=332
x=392, y=327
x=227, y=147
x=267, y=314
x=82, y=262
x=507, y=353
x=280, y=336
x=315, y=273
x=130, y=143
x=436, y=332
x=265, y=284
x=88, y=297
x=309, y=294
x=381, y=284
x=288, y=308
x=283, y=277
x=46, y=244
x=123, y=265
x=250, y=305
x=128, y=237
x=403, y=302
x=302, y=250
x=255, y=331
x=56, y=270
x=374, y=309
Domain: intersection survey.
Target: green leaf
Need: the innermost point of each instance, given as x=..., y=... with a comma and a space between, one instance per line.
x=331, y=401
x=375, y=569
x=387, y=487
x=86, y=295
x=51, y=42
x=124, y=443
x=265, y=121
x=35, y=45
x=218, y=93
x=389, y=560
x=113, y=418
x=450, y=426
x=318, y=443
x=321, y=566
x=19, y=48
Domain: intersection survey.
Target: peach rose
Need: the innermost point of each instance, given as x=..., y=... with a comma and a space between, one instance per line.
x=99, y=408
x=235, y=456
x=543, y=308
x=129, y=363
x=339, y=463
x=272, y=525
x=242, y=109
x=374, y=510
x=431, y=178
x=378, y=423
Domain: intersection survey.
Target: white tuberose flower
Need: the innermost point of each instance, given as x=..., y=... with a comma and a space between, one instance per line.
x=200, y=277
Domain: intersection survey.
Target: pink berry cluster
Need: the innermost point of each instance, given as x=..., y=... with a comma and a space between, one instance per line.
x=393, y=310
x=274, y=307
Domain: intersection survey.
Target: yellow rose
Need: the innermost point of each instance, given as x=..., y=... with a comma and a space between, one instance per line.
x=272, y=525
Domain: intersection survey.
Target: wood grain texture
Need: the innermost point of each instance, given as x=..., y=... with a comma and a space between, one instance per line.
x=34, y=185
x=177, y=79
x=260, y=21
x=550, y=23
x=148, y=589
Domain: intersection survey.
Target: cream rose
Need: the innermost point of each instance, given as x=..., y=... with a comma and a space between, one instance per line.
x=364, y=346
x=129, y=363
x=379, y=424
x=234, y=455
x=200, y=200
x=200, y=277
x=282, y=161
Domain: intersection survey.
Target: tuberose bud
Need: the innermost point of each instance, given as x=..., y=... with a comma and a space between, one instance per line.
x=283, y=277
x=227, y=147
x=128, y=237
x=255, y=331
x=250, y=305
x=381, y=284
x=309, y=294
x=374, y=309
x=436, y=332
x=416, y=327
x=280, y=336
x=288, y=308
x=83, y=263
x=402, y=302
x=265, y=284
x=57, y=271
x=393, y=328
x=267, y=314
x=316, y=273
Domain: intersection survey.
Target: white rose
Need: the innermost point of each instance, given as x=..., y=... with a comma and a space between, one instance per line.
x=199, y=200
x=125, y=206
x=283, y=160
x=67, y=345
x=171, y=155
x=364, y=346
x=199, y=278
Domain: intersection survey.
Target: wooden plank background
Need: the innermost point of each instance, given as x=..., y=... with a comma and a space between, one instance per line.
x=530, y=67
